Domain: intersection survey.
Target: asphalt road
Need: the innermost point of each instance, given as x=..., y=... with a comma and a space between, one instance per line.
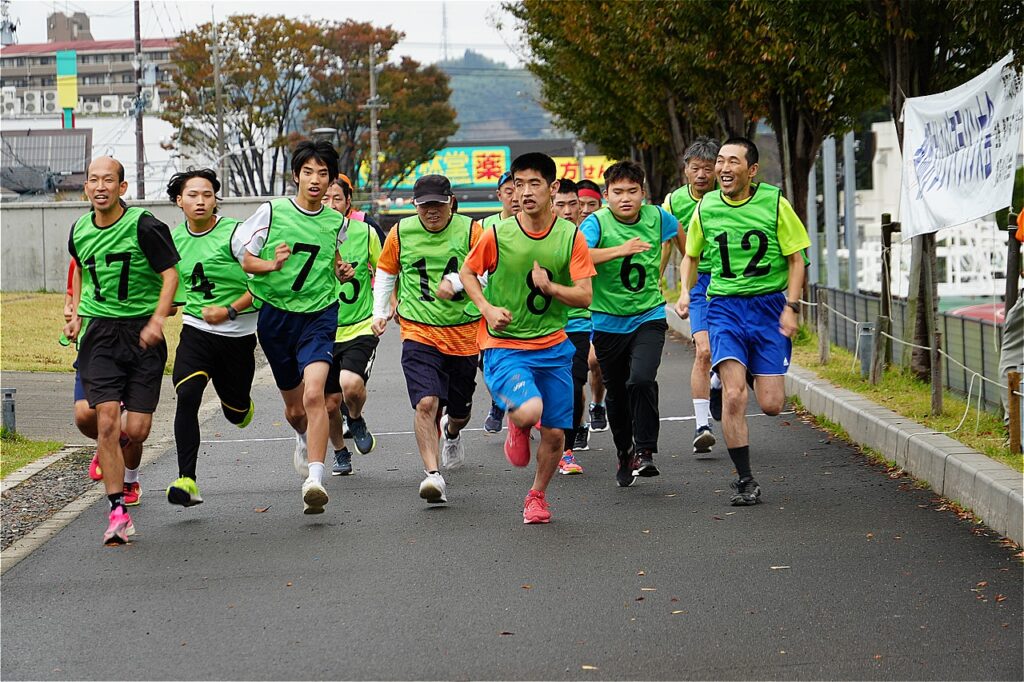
x=842, y=573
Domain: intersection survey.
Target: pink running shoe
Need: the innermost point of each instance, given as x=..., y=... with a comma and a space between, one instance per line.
x=132, y=493
x=95, y=473
x=568, y=464
x=535, y=508
x=517, y=445
x=120, y=528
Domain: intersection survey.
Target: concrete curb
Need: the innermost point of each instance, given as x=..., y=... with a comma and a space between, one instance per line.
x=991, y=489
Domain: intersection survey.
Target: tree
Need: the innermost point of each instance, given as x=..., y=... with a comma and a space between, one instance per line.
x=418, y=120
x=263, y=72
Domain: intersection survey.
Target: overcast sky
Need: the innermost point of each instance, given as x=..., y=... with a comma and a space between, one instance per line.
x=471, y=23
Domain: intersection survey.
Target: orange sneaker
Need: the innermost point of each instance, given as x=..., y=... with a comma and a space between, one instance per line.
x=535, y=508
x=132, y=493
x=95, y=473
x=517, y=445
x=568, y=464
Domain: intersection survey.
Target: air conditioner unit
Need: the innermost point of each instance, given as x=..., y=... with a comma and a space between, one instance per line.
x=90, y=107
x=31, y=97
x=30, y=107
x=10, y=93
x=109, y=103
x=12, y=108
x=50, y=96
x=51, y=107
x=127, y=103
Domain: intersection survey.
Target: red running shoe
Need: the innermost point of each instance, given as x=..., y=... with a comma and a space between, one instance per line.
x=95, y=473
x=535, y=508
x=517, y=445
x=132, y=493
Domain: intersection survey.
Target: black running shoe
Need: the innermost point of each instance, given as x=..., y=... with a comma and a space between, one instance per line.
x=361, y=436
x=582, y=440
x=598, y=418
x=748, y=492
x=644, y=464
x=715, y=403
x=624, y=475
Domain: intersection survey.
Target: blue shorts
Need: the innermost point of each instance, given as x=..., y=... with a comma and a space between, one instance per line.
x=515, y=376
x=79, y=389
x=746, y=329
x=292, y=341
x=699, y=303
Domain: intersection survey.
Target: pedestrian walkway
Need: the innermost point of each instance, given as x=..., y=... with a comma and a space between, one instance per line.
x=841, y=573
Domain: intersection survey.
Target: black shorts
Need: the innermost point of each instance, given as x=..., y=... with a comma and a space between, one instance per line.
x=114, y=367
x=228, y=361
x=580, y=360
x=429, y=372
x=356, y=356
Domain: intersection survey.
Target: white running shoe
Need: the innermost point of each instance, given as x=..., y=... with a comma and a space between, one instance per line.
x=453, y=452
x=300, y=460
x=433, y=489
x=314, y=497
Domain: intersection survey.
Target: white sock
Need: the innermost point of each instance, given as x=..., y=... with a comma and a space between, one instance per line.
x=702, y=411
x=316, y=471
x=715, y=381
x=131, y=475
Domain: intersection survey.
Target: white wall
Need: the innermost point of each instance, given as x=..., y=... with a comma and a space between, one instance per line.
x=34, y=237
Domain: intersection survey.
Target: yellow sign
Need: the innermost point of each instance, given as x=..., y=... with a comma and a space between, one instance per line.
x=593, y=166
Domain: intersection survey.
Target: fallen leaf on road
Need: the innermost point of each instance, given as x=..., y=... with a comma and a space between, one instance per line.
x=983, y=583
x=506, y=632
x=718, y=518
x=674, y=599
x=287, y=584
x=647, y=532
x=878, y=657
x=260, y=510
x=1000, y=597
x=677, y=612
x=588, y=667
x=648, y=589
x=869, y=536
x=277, y=423
x=641, y=573
x=527, y=587
x=670, y=495
x=779, y=568
x=639, y=599
x=729, y=513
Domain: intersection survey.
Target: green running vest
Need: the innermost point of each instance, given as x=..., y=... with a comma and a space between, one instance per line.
x=424, y=258
x=510, y=286
x=208, y=274
x=683, y=205
x=307, y=283
x=742, y=243
x=117, y=280
x=629, y=286
x=355, y=297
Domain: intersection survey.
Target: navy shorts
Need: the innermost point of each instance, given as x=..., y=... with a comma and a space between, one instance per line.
x=516, y=375
x=429, y=373
x=293, y=341
x=746, y=329
x=699, y=303
x=79, y=389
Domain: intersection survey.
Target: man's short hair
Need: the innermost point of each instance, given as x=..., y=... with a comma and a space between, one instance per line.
x=751, y=148
x=629, y=171
x=702, y=149
x=321, y=150
x=535, y=161
x=567, y=186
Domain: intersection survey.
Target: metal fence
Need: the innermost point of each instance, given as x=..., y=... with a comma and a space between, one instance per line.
x=974, y=343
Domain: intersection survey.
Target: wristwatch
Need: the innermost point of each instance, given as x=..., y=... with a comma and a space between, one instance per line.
x=792, y=305
x=232, y=313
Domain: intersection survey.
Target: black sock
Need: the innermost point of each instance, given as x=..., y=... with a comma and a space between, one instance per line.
x=741, y=460
x=435, y=471
x=116, y=500
x=343, y=448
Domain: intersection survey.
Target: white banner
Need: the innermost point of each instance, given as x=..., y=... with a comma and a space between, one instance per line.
x=960, y=151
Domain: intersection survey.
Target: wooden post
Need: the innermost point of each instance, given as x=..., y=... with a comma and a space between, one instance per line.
x=936, y=362
x=824, y=338
x=878, y=361
x=1013, y=404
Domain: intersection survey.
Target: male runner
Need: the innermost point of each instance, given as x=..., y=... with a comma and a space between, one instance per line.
x=355, y=344
x=130, y=257
x=351, y=212
x=579, y=330
x=439, y=348
x=506, y=194
x=590, y=200
x=699, y=171
x=538, y=267
x=218, y=333
x=290, y=246
x=754, y=242
x=629, y=313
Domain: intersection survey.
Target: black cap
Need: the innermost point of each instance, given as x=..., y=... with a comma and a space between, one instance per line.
x=430, y=188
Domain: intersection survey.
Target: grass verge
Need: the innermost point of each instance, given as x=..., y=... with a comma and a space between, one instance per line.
x=16, y=451
x=31, y=323
x=901, y=392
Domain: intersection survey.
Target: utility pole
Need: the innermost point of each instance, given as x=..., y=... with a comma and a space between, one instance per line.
x=374, y=105
x=140, y=149
x=222, y=171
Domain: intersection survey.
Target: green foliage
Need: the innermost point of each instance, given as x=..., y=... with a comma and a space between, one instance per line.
x=16, y=451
